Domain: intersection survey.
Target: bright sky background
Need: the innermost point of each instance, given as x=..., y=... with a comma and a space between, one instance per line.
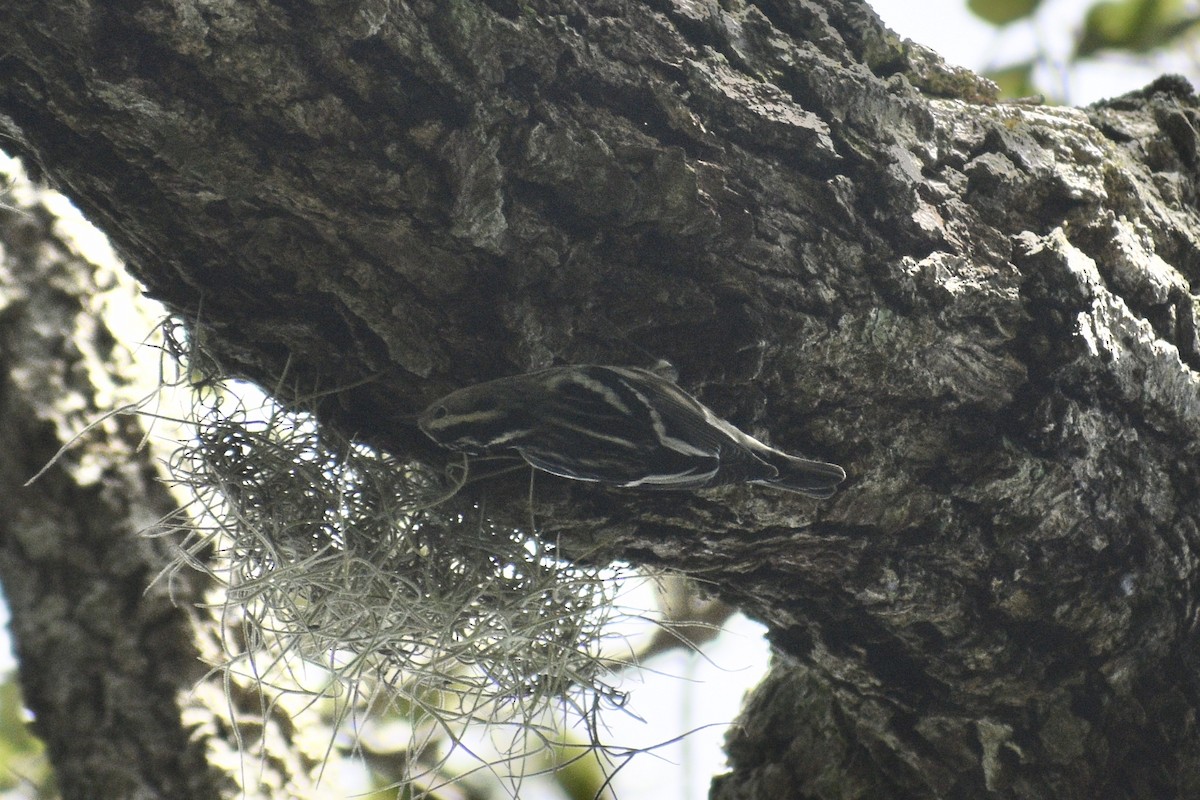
x=711, y=691
x=963, y=39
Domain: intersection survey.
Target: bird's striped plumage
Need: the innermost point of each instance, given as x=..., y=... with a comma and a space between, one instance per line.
x=615, y=425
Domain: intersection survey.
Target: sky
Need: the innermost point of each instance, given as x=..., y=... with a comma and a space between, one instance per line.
x=963, y=39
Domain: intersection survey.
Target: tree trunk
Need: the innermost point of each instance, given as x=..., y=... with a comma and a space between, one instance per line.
x=983, y=311
x=106, y=659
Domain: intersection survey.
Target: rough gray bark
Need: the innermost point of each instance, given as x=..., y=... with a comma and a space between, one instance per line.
x=985, y=312
x=105, y=660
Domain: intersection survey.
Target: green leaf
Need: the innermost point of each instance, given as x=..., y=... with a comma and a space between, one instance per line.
x=1002, y=12
x=577, y=769
x=1014, y=80
x=22, y=756
x=1135, y=26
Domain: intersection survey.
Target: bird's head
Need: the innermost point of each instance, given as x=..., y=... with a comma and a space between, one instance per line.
x=477, y=418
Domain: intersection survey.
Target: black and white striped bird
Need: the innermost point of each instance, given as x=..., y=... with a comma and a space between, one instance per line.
x=621, y=426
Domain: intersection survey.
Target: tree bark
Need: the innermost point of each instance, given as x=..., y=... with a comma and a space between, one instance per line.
x=985, y=312
x=106, y=659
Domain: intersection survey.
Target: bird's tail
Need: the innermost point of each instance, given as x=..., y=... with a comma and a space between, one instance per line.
x=814, y=478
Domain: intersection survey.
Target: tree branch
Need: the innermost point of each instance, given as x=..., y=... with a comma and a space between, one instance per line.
x=105, y=657
x=983, y=311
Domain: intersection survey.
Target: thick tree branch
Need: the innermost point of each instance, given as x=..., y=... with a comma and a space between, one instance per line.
x=985, y=312
x=105, y=657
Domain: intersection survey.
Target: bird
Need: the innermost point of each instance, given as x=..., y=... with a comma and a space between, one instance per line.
x=618, y=426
